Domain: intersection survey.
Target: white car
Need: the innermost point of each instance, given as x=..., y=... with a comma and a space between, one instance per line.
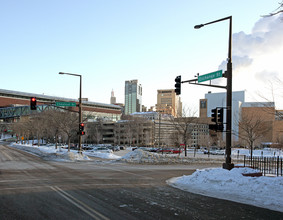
x=103, y=150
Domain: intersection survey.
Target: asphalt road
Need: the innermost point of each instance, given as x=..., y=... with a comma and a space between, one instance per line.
x=32, y=188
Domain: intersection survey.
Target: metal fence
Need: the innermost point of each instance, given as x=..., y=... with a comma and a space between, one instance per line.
x=266, y=165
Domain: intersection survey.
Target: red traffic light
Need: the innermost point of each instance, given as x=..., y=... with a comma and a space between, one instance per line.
x=81, y=127
x=33, y=103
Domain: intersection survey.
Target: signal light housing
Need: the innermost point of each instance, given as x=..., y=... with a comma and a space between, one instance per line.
x=33, y=103
x=214, y=115
x=81, y=129
x=178, y=85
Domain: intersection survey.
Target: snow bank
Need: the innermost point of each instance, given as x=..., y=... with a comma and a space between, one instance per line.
x=102, y=155
x=140, y=156
x=266, y=192
x=50, y=153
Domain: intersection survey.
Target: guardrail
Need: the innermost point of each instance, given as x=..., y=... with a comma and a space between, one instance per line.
x=267, y=165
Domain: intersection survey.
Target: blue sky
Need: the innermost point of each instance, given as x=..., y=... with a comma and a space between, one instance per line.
x=111, y=41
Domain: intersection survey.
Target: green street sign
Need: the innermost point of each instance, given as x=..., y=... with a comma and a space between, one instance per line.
x=66, y=104
x=210, y=76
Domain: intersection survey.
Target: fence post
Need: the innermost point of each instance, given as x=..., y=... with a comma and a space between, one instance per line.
x=281, y=166
x=277, y=167
x=264, y=166
x=244, y=160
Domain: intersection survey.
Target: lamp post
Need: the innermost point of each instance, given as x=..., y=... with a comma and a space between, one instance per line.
x=80, y=107
x=228, y=74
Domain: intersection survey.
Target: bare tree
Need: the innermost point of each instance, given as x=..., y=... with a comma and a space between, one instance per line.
x=252, y=128
x=95, y=132
x=52, y=120
x=68, y=125
x=278, y=10
x=184, y=126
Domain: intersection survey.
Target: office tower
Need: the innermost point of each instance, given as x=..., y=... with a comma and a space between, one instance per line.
x=133, y=97
x=168, y=102
x=113, y=98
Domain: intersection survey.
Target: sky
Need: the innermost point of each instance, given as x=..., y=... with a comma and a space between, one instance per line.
x=111, y=41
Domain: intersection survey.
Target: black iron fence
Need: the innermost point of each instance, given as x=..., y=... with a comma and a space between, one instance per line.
x=266, y=165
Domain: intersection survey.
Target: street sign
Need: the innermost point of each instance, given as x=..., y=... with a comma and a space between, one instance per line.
x=66, y=104
x=210, y=76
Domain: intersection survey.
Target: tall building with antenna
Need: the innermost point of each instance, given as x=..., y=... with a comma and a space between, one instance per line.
x=113, y=98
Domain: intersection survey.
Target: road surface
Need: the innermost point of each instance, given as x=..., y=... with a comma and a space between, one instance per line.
x=32, y=188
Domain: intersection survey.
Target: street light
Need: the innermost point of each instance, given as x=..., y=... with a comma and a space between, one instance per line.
x=228, y=74
x=80, y=107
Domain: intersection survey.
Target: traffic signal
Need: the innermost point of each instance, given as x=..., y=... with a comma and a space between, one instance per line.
x=178, y=85
x=33, y=103
x=217, y=118
x=212, y=127
x=81, y=129
x=220, y=127
x=214, y=115
x=220, y=116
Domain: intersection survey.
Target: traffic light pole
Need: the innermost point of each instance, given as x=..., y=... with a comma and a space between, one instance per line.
x=228, y=165
x=80, y=107
x=228, y=74
x=80, y=115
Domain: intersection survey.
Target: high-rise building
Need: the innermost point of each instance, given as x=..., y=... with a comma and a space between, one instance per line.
x=133, y=97
x=168, y=102
x=113, y=98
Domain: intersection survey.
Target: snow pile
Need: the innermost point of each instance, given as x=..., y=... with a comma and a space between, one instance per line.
x=266, y=192
x=101, y=155
x=67, y=156
x=140, y=156
x=50, y=153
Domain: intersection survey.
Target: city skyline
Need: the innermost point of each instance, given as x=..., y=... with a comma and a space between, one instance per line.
x=110, y=42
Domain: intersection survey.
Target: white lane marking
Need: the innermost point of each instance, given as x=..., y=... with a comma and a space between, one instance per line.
x=6, y=155
x=85, y=184
x=91, y=212
x=127, y=172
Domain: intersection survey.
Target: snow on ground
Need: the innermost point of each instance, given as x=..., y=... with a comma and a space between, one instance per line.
x=265, y=192
x=50, y=153
x=145, y=157
x=61, y=154
x=266, y=152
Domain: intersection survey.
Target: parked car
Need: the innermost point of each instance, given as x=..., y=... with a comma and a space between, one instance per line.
x=177, y=151
x=122, y=148
x=153, y=149
x=166, y=150
x=103, y=150
x=114, y=148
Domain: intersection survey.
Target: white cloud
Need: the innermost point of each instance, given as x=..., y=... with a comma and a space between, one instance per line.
x=257, y=57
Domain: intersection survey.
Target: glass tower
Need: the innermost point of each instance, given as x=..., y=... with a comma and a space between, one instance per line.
x=133, y=97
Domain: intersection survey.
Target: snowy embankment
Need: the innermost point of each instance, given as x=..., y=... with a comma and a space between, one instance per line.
x=265, y=192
